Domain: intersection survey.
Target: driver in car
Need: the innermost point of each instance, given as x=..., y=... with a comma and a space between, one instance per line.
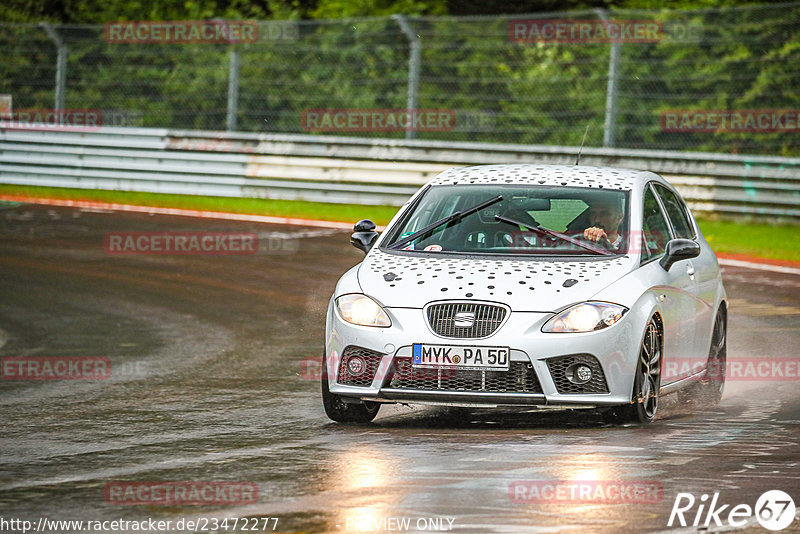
x=605, y=217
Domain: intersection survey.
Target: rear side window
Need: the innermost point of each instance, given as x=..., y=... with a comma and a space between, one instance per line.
x=676, y=210
x=655, y=228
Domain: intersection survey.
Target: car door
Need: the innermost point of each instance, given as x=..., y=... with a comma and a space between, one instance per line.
x=675, y=290
x=702, y=270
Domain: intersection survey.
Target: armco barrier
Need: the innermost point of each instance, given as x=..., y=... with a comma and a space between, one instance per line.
x=356, y=170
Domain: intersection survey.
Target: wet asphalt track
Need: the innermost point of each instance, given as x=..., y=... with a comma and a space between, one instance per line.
x=207, y=385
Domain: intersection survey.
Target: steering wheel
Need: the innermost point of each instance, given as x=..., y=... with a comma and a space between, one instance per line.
x=603, y=243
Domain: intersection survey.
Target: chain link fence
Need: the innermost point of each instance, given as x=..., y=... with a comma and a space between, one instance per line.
x=627, y=79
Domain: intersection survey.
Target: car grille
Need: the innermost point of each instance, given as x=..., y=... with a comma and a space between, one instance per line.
x=559, y=365
x=488, y=318
x=520, y=378
x=372, y=360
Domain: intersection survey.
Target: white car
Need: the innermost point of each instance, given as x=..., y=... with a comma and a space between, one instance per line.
x=504, y=285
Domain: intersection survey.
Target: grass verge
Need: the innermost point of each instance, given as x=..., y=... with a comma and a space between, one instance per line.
x=756, y=239
x=779, y=242
x=256, y=206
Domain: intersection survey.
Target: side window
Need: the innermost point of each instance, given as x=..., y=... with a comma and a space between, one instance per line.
x=677, y=213
x=654, y=227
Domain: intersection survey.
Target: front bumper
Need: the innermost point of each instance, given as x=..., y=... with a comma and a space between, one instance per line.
x=615, y=349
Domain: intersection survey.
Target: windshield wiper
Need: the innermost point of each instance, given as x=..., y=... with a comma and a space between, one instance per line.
x=455, y=216
x=552, y=233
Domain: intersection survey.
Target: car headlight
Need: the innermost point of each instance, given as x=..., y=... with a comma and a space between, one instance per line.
x=362, y=310
x=585, y=317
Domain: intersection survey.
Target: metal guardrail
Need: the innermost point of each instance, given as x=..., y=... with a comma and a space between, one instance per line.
x=356, y=170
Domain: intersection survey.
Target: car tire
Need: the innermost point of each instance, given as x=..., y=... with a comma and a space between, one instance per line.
x=647, y=382
x=338, y=410
x=707, y=392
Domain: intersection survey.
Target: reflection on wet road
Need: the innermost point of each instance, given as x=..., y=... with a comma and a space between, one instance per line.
x=210, y=356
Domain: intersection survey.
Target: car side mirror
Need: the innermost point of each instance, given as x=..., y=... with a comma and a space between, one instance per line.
x=364, y=235
x=677, y=250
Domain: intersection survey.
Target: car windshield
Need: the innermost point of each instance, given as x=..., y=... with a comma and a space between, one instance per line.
x=538, y=220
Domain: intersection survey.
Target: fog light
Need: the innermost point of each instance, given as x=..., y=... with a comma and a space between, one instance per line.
x=356, y=366
x=578, y=373
x=583, y=373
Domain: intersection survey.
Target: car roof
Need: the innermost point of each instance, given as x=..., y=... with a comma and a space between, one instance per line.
x=540, y=174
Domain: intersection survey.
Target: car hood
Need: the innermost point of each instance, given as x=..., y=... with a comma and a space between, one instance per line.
x=412, y=281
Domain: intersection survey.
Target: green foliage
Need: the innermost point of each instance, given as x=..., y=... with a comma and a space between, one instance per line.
x=337, y=9
x=537, y=93
x=19, y=11
x=102, y=11
x=776, y=241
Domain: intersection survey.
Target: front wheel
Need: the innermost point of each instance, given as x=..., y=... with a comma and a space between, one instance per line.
x=647, y=383
x=345, y=412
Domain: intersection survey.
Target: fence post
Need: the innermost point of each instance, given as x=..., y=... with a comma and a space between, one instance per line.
x=414, y=60
x=609, y=128
x=61, y=64
x=233, y=90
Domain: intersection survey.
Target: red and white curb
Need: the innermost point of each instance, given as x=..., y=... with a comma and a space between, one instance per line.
x=86, y=204
x=727, y=262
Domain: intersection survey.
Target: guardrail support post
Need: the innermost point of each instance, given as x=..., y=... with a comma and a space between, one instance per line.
x=61, y=64
x=609, y=128
x=414, y=61
x=233, y=90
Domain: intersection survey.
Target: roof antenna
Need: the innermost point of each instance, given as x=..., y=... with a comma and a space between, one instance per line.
x=578, y=161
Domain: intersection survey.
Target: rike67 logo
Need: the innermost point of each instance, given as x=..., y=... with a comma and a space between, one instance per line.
x=774, y=510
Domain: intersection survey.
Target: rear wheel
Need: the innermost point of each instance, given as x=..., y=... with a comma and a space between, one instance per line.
x=708, y=391
x=341, y=411
x=647, y=382
x=713, y=382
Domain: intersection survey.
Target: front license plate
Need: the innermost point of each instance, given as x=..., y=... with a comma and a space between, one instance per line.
x=460, y=357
